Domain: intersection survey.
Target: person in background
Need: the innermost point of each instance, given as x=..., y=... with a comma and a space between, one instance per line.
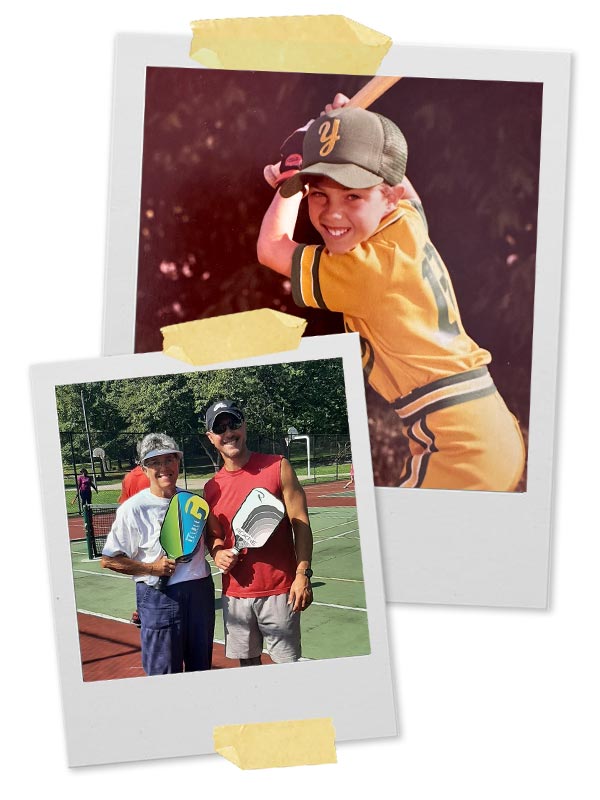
x=351, y=481
x=85, y=484
x=134, y=481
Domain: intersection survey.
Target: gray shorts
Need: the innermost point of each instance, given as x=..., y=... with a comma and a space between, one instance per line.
x=251, y=622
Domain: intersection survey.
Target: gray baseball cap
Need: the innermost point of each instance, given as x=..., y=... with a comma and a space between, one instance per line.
x=354, y=147
x=157, y=444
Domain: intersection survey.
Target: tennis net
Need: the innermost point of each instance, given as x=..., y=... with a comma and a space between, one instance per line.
x=98, y=520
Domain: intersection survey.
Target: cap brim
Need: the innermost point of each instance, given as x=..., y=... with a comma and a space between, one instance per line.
x=154, y=453
x=237, y=414
x=348, y=175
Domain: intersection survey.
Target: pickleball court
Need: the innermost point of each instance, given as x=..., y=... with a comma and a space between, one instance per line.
x=334, y=626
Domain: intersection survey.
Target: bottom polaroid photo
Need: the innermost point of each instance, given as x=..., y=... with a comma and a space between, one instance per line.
x=212, y=542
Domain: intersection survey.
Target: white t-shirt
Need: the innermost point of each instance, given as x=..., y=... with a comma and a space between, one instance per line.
x=135, y=534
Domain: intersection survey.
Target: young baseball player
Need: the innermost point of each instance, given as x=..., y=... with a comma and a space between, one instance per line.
x=378, y=266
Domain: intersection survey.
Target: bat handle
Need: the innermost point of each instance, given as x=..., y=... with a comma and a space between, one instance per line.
x=162, y=583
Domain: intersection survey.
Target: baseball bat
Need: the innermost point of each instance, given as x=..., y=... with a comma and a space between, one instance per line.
x=365, y=97
x=372, y=90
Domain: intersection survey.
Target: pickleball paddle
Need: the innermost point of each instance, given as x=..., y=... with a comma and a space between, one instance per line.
x=182, y=528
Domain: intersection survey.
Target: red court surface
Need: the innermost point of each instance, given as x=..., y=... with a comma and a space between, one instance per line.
x=76, y=529
x=324, y=495
x=111, y=649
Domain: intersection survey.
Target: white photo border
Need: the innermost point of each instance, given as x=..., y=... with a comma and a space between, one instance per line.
x=469, y=548
x=116, y=720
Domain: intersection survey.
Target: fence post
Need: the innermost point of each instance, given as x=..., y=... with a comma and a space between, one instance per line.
x=182, y=437
x=89, y=531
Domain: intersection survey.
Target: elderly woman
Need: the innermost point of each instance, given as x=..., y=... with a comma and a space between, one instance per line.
x=177, y=621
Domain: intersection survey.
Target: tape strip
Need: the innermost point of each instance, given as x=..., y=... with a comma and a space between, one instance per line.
x=233, y=336
x=277, y=744
x=326, y=43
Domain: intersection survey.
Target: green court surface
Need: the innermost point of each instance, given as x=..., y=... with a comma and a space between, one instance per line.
x=334, y=626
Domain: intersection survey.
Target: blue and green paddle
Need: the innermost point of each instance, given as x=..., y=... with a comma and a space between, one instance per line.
x=182, y=528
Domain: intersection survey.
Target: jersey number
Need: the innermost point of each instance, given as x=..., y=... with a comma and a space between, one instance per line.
x=441, y=291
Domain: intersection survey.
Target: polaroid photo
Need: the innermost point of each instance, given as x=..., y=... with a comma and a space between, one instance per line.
x=89, y=417
x=453, y=284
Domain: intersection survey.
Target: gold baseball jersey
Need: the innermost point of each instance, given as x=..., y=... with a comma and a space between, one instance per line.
x=395, y=291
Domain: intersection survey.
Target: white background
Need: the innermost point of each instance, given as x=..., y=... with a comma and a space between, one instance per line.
x=492, y=704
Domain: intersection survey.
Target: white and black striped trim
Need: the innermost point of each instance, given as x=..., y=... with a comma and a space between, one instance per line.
x=297, y=294
x=416, y=465
x=444, y=393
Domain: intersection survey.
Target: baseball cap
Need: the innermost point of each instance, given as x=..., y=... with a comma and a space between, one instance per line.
x=222, y=407
x=157, y=444
x=354, y=147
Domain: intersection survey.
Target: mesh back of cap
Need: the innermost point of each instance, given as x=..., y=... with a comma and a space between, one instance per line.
x=395, y=152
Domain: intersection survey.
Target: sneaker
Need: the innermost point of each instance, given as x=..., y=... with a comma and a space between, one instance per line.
x=135, y=619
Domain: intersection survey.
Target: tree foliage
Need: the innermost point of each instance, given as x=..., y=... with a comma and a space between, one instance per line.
x=308, y=395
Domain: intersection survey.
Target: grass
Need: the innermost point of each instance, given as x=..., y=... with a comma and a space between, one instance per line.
x=103, y=496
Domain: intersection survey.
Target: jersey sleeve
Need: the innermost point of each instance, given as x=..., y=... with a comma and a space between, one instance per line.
x=349, y=283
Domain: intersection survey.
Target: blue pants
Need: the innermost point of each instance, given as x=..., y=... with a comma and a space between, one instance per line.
x=177, y=626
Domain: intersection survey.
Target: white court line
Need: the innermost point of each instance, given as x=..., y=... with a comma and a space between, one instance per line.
x=102, y=574
x=333, y=605
x=331, y=538
x=126, y=621
x=103, y=616
x=346, y=580
x=337, y=525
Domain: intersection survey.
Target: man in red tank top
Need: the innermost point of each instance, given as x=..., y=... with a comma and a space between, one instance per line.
x=266, y=588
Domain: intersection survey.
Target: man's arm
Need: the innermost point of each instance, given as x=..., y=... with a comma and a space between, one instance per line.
x=224, y=559
x=275, y=241
x=297, y=510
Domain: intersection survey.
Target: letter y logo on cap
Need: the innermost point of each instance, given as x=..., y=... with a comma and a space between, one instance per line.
x=328, y=136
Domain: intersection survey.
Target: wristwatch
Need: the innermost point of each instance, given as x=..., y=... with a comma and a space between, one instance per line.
x=308, y=572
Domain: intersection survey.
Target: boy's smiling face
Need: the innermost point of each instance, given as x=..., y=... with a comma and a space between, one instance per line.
x=346, y=217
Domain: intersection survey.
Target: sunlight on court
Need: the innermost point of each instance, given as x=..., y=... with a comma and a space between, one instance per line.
x=335, y=626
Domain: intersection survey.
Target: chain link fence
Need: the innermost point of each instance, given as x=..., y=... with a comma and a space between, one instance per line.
x=316, y=457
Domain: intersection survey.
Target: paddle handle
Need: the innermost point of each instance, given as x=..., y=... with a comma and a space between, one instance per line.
x=234, y=551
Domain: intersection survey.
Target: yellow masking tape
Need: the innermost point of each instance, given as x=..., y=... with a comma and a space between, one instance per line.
x=233, y=336
x=277, y=744
x=326, y=43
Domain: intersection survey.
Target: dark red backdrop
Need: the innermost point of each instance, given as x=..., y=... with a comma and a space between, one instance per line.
x=473, y=158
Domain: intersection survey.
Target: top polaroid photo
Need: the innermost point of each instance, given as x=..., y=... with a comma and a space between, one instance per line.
x=432, y=227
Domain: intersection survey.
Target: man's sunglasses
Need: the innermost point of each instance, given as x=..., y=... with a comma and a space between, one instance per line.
x=221, y=427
